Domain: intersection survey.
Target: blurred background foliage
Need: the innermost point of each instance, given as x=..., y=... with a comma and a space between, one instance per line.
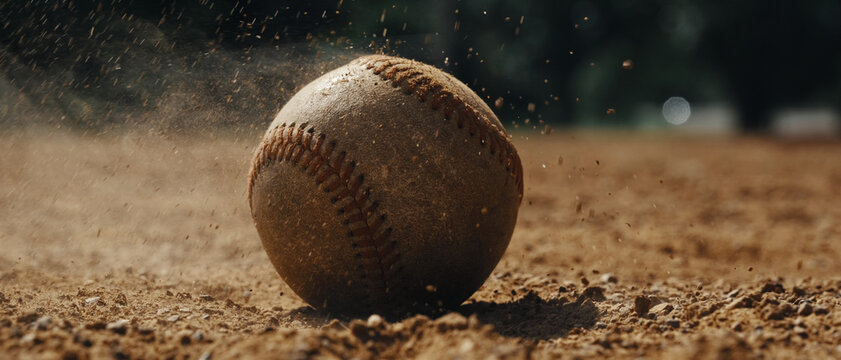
x=209, y=63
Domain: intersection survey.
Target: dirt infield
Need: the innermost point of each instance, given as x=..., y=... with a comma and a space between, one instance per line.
x=140, y=245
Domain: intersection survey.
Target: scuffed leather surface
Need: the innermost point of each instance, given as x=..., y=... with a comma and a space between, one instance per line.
x=450, y=205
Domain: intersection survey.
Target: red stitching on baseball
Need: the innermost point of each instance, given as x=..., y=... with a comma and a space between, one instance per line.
x=334, y=175
x=404, y=73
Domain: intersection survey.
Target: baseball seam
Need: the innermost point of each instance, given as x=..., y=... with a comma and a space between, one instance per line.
x=408, y=75
x=333, y=172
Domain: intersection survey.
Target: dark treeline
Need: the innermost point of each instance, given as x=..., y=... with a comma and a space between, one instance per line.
x=92, y=63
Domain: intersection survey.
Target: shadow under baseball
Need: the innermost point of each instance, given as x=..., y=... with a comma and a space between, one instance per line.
x=530, y=316
x=534, y=317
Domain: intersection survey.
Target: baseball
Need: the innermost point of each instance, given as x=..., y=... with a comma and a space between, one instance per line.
x=384, y=185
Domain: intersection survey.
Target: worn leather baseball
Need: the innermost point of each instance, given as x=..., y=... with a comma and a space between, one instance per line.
x=384, y=185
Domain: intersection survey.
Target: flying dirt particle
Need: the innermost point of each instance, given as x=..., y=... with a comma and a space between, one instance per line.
x=560, y=160
x=499, y=102
x=531, y=107
x=610, y=111
x=628, y=64
x=547, y=130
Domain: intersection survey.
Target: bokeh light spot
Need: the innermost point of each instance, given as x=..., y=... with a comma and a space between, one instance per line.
x=676, y=110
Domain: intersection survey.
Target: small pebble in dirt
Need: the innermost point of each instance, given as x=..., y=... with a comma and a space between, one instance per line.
x=42, y=323
x=162, y=311
x=118, y=326
x=197, y=336
x=184, y=337
x=805, y=309
x=375, y=320
x=173, y=318
x=121, y=299
x=609, y=278
x=675, y=323
x=820, y=310
x=206, y=356
x=742, y=302
x=28, y=339
x=780, y=312
x=93, y=300
x=594, y=293
x=773, y=287
x=641, y=305
x=661, y=309
x=206, y=297
x=81, y=338
x=28, y=318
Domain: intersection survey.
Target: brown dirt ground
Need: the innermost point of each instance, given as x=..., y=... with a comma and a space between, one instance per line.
x=140, y=245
